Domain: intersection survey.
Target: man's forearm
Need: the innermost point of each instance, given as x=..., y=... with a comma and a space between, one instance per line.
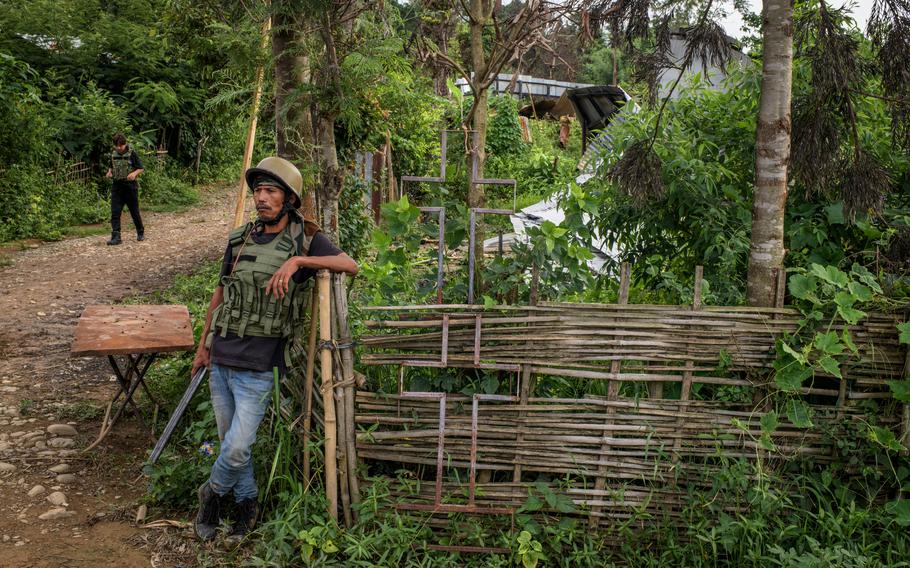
x=338, y=263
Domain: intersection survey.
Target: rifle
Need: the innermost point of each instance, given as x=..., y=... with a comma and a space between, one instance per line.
x=175, y=417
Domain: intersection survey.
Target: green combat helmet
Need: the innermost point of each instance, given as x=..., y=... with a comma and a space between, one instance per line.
x=284, y=172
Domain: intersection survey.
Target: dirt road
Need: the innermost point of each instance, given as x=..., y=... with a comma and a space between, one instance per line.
x=58, y=506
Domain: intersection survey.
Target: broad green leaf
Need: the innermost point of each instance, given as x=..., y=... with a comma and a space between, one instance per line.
x=900, y=510
x=830, y=274
x=900, y=390
x=532, y=504
x=799, y=413
x=789, y=378
x=885, y=438
x=488, y=302
x=329, y=547
x=801, y=357
x=850, y=315
x=835, y=213
x=844, y=300
x=770, y=422
x=828, y=343
x=866, y=277
x=802, y=286
x=847, y=338
x=860, y=292
x=904, y=328
x=830, y=365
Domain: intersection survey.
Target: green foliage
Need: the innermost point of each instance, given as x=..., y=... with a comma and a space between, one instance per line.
x=34, y=204
x=157, y=188
x=391, y=276
x=826, y=296
x=354, y=218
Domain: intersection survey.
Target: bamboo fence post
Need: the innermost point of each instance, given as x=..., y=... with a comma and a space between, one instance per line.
x=328, y=400
x=308, y=386
x=346, y=352
x=613, y=387
x=523, y=396
x=393, y=185
x=685, y=391
x=240, y=208
x=341, y=412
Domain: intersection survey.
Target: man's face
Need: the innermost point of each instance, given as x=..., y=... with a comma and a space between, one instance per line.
x=120, y=147
x=268, y=199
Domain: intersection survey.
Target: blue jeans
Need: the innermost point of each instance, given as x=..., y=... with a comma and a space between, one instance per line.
x=240, y=398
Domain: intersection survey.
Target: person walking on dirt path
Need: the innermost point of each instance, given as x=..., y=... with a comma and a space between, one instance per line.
x=125, y=168
x=266, y=275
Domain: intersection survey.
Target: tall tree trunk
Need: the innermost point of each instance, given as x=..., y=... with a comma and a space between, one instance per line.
x=480, y=14
x=772, y=152
x=294, y=136
x=332, y=176
x=332, y=179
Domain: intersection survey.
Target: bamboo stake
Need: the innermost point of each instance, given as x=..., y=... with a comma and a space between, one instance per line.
x=523, y=397
x=240, y=208
x=346, y=351
x=308, y=385
x=328, y=401
x=393, y=185
x=613, y=388
x=341, y=412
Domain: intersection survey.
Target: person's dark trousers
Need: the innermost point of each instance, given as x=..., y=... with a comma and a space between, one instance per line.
x=125, y=193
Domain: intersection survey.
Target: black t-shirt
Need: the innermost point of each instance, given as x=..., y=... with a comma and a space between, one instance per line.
x=262, y=353
x=135, y=164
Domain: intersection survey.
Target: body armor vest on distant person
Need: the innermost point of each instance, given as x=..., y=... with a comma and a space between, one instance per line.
x=247, y=310
x=120, y=164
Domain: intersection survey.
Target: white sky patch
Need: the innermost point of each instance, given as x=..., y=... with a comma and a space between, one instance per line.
x=861, y=10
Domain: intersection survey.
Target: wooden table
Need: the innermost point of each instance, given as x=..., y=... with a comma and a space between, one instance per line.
x=138, y=332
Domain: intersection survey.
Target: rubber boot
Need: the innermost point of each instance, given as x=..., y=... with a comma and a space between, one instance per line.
x=140, y=236
x=247, y=514
x=115, y=239
x=209, y=516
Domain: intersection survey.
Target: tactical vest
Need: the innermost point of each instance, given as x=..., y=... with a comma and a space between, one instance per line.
x=247, y=310
x=120, y=163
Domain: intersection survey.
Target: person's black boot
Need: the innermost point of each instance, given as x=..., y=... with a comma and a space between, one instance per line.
x=140, y=236
x=247, y=514
x=209, y=516
x=115, y=239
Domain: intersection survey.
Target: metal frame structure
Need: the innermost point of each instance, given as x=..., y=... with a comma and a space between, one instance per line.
x=453, y=508
x=472, y=237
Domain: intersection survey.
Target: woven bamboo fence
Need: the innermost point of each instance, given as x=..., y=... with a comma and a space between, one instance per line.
x=631, y=452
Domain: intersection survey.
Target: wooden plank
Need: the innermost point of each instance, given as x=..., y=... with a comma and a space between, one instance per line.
x=132, y=329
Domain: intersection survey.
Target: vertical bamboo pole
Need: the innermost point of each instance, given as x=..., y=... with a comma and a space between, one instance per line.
x=523, y=398
x=308, y=386
x=612, y=394
x=328, y=400
x=346, y=351
x=341, y=450
x=393, y=185
x=686, y=388
x=240, y=208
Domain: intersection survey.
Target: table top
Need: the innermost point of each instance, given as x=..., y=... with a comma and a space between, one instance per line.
x=126, y=329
